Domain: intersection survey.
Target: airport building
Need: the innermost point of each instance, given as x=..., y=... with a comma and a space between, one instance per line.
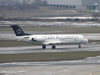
x=76, y=4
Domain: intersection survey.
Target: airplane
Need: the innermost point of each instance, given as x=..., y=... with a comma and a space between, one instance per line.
x=48, y=39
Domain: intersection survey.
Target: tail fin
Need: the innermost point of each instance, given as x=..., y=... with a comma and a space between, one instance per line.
x=18, y=31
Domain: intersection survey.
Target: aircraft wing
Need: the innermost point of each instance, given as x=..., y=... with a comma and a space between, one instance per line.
x=51, y=42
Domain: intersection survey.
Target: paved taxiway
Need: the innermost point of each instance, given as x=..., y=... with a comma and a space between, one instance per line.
x=38, y=49
x=89, y=66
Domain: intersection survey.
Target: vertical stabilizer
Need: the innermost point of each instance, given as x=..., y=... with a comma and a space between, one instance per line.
x=18, y=31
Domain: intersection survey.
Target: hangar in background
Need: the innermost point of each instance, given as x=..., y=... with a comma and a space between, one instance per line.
x=76, y=4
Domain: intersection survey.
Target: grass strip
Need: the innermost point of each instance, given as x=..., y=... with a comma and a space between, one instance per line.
x=13, y=43
x=33, y=57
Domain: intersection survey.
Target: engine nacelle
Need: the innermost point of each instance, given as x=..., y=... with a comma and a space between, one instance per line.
x=33, y=39
x=38, y=39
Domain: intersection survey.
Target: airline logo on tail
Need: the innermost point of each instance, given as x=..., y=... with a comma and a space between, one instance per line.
x=18, y=31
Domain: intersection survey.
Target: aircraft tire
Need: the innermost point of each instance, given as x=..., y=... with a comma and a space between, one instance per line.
x=44, y=47
x=79, y=46
x=53, y=47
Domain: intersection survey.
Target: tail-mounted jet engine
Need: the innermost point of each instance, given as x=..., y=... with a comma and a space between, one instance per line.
x=38, y=39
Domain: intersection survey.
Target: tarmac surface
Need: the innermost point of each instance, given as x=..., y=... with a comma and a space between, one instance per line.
x=88, y=66
x=59, y=48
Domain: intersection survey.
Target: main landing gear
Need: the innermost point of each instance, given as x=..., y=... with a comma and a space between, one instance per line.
x=53, y=47
x=44, y=47
x=79, y=45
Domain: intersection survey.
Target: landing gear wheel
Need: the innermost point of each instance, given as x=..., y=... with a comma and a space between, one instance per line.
x=79, y=45
x=53, y=47
x=44, y=47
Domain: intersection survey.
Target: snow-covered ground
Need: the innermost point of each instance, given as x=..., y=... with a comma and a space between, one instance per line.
x=50, y=24
x=64, y=17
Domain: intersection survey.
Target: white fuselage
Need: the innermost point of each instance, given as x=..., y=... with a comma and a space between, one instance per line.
x=53, y=39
